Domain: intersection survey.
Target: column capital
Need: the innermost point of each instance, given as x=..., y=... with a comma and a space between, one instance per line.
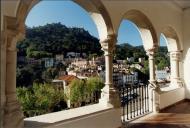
x=108, y=45
x=150, y=53
x=11, y=39
x=175, y=55
x=12, y=32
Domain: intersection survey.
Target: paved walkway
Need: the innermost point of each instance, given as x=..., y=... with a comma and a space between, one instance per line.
x=177, y=116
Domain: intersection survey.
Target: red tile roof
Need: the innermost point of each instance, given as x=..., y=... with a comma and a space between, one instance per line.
x=68, y=78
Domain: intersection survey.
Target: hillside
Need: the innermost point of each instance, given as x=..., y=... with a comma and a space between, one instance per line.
x=52, y=39
x=56, y=38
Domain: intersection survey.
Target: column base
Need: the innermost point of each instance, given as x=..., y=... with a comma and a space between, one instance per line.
x=176, y=83
x=154, y=86
x=155, y=89
x=110, y=97
x=1, y=117
x=13, y=116
x=156, y=103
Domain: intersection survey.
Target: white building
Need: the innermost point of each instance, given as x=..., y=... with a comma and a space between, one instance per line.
x=63, y=83
x=73, y=55
x=137, y=66
x=130, y=78
x=162, y=75
x=59, y=57
x=130, y=59
x=141, y=60
x=49, y=62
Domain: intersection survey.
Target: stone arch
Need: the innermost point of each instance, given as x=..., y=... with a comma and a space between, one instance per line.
x=174, y=49
x=145, y=28
x=96, y=10
x=150, y=43
x=171, y=38
x=14, y=30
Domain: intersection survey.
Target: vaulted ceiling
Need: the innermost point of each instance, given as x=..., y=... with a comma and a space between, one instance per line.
x=183, y=4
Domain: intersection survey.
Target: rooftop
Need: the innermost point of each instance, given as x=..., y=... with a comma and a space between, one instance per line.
x=68, y=78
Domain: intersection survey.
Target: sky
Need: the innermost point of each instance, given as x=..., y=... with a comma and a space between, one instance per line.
x=72, y=15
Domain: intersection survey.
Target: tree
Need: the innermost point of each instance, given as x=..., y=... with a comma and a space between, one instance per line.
x=94, y=84
x=40, y=99
x=77, y=88
x=93, y=87
x=49, y=74
x=24, y=77
x=55, y=39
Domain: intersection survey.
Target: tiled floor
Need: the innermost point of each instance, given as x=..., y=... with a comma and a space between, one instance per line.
x=177, y=116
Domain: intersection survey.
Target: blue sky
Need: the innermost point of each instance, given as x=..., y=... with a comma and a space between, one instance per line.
x=72, y=15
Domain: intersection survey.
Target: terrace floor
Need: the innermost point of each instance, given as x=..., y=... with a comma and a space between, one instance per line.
x=176, y=116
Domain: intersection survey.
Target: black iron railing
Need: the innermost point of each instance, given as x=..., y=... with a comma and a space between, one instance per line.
x=136, y=100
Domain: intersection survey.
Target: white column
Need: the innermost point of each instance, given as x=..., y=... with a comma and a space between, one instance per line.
x=174, y=62
x=153, y=87
x=152, y=75
x=109, y=95
x=13, y=116
x=108, y=68
x=11, y=75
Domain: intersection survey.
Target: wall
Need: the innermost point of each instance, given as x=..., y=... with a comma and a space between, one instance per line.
x=110, y=118
x=101, y=120
x=8, y=8
x=3, y=80
x=186, y=52
x=160, y=13
x=173, y=96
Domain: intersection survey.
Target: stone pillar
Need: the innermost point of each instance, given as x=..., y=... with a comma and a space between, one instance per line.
x=154, y=88
x=109, y=95
x=152, y=75
x=13, y=116
x=174, y=62
x=2, y=77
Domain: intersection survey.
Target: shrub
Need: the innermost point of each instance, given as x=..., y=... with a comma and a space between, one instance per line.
x=40, y=99
x=77, y=90
x=82, y=90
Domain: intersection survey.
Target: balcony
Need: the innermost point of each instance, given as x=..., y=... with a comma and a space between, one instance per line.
x=91, y=116
x=175, y=116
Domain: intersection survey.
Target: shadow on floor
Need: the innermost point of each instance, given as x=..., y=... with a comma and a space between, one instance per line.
x=176, y=116
x=182, y=108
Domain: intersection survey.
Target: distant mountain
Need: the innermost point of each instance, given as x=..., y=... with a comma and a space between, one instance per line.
x=140, y=47
x=56, y=38
x=126, y=50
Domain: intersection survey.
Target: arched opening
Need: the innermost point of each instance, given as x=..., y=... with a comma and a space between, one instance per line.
x=169, y=34
x=174, y=52
x=145, y=27
x=95, y=9
x=130, y=49
x=136, y=96
x=104, y=28
x=162, y=61
x=58, y=61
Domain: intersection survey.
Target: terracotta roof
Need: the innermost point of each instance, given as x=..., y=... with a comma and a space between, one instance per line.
x=68, y=78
